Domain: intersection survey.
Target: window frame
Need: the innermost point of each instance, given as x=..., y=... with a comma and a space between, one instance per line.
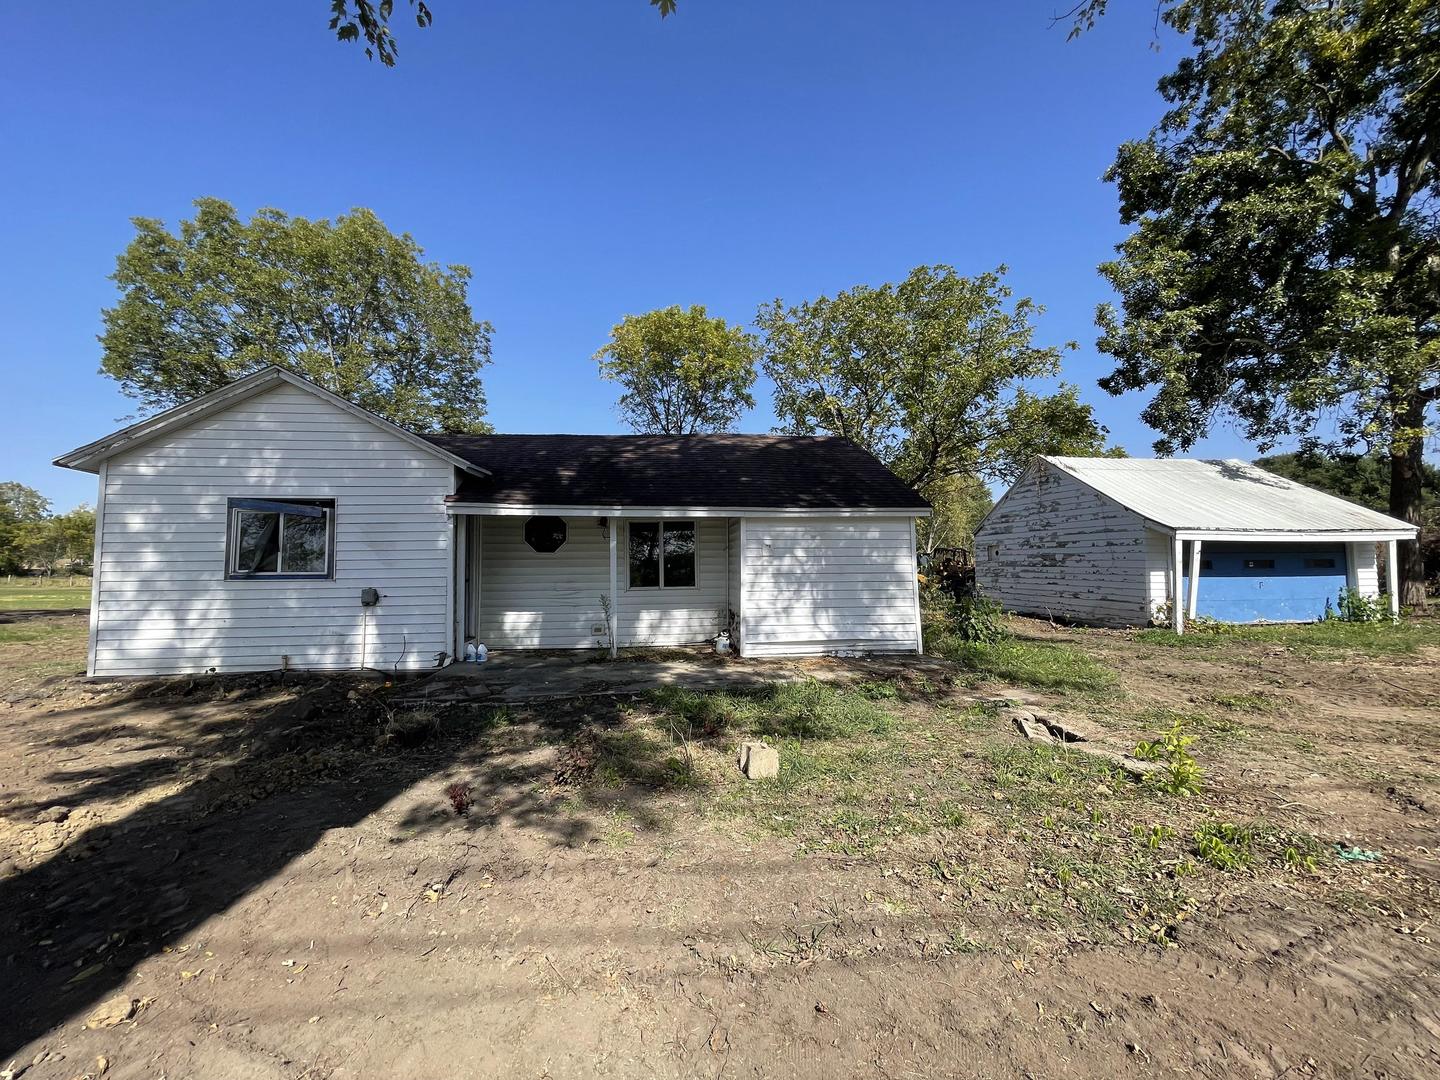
x=660, y=523
x=236, y=505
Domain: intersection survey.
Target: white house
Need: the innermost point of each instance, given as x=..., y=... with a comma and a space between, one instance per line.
x=1114, y=541
x=272, y=524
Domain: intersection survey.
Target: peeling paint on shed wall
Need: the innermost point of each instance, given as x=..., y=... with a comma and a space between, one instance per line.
x=1056, y=547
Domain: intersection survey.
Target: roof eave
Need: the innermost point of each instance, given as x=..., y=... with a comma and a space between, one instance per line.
x=458, y=505
x=1293, y=535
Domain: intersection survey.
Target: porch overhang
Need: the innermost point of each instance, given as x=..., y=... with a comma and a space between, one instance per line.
x=528, y=510
x=1347, y=536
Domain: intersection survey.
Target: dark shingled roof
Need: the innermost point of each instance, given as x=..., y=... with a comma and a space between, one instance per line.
x=819, y=472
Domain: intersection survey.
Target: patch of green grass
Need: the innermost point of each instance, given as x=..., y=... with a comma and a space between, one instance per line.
x=809, y=709
x=1041, y=664
x=34, y=594
x=1319, y=639
x=1213, y=729
x=1036, y=778
x=37, y=631
x=1224, y=845
x=1256, y=702
x=642, y=757
x=37, y=649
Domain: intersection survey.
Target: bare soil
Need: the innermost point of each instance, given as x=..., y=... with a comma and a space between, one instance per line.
x=265, y=876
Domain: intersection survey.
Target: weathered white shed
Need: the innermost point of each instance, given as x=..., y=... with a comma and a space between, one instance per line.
x=1119, y=541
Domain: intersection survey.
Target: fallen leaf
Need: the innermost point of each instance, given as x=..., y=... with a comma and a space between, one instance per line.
x=79, y=976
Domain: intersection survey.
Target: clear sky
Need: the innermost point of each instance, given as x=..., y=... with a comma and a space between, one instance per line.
x=583, y=157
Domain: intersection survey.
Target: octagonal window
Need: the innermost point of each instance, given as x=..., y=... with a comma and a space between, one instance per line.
x=545, y=534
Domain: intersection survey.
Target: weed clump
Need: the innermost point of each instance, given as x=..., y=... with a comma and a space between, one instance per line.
x=1181, y=775
x=459, y=797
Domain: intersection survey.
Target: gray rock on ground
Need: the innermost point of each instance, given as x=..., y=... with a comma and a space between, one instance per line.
x=758, y=761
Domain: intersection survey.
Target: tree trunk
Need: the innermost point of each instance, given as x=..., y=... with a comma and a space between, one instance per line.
x=1406, y=490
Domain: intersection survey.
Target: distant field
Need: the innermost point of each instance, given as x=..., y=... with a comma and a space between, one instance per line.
x=29, y=594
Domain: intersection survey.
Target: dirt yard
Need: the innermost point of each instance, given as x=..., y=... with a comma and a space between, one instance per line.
x=296, y=877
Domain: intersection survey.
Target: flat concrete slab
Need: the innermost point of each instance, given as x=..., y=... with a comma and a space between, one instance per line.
x=531, y=676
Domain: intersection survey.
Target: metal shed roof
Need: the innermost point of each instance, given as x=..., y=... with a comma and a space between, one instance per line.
x=1229, y=496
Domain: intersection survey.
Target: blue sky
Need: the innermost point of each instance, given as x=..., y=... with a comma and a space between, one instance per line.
x=583, y=157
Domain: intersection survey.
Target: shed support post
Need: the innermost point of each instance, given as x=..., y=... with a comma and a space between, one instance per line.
x=454, y=593
x=915, y=575
x=462, y=581
x=1194, y=597
x=1177, y=591
x=614, y=615
x=1392, y=576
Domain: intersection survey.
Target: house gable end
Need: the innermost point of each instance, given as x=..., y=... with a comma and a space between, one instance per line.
x=88, y=458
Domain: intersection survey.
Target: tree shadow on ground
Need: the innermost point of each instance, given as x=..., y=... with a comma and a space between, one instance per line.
x=263, y=771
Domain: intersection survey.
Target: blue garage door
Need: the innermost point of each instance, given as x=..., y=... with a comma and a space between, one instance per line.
x=1246, y=583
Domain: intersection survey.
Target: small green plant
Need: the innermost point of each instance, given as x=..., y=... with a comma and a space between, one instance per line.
x=878, y=689
x=606, y=641
x=1298, y=861
x=1224, y=845
x=1354, y=607
x=1154, y=836
x=1181, y=775
x=979, y=620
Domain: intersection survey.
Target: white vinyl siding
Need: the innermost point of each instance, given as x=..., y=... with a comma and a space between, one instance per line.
x=1055, y=547
x=819, y=585
x=1159, y=551
x=1363, y=568
x=163, y=603
x=532, y=600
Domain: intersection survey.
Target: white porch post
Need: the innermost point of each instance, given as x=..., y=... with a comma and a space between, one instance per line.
x=1177, y=592
x=1194, y=596
x=740, y=644
x=1392, y=576
x=915, y=576
x=455, y=596
x=614, y=628
x=476, y=555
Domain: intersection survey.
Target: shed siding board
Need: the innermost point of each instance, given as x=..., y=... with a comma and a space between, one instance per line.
x=163, y=604
x=1062, y=549
x=822, y=584
x=1365, y=567
x=1158, y=553
x=535, y=600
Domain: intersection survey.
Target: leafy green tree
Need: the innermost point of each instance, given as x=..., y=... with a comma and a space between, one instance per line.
x=959, y=503
x=928, y=375
x=683, y=371
x=21, y=510
x=75, y=535
x=369, y=21
x=349, y=305
x=1284, y=271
